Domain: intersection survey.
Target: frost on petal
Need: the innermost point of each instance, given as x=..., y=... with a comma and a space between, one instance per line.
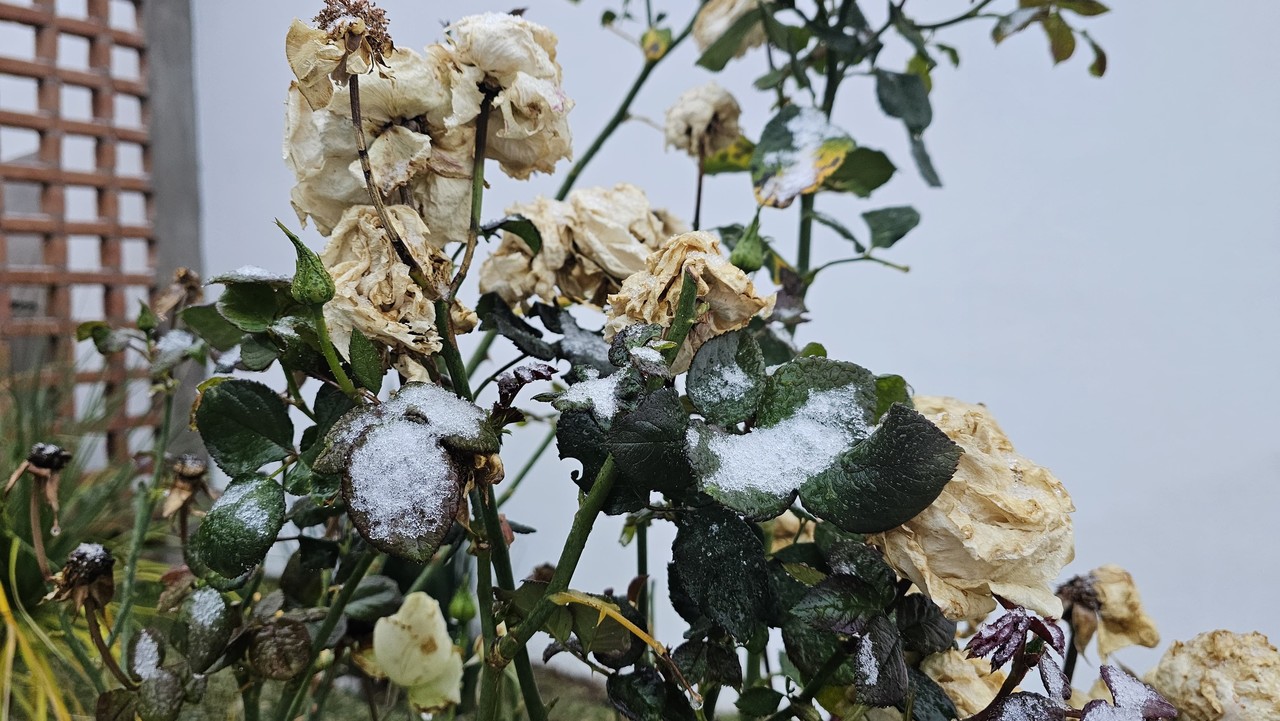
x=590, y=242
x=375, y=292
x=717, y=16
x=1001, y=526
x=969, y=682
x=529, y=130
x=413, y=648
x=1123, y=621
x=653, y=294
x=1220, y=676
x=703, y=121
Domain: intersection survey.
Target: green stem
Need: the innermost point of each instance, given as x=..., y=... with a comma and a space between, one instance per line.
x=583, y=520
x=811, y=689
x=296, y=394
x=326, y=684
x=452, y=359
x=477, y=189
x=146, y=504
x=331, y=355
x=494, y=376
x=528, y=466
x=973, y=13
x=683, y=321
x=619, y=116
x=481, y=353
x=295, y=692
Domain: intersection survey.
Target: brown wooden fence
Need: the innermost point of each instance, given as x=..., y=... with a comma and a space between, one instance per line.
x=77, y=208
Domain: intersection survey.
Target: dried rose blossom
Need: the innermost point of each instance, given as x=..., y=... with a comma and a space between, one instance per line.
x=717, y=16
x=591, y=242
x=1221, y=676
x=653, y=294
x=703, y=121
x=86, y=578
x=375, y=292
x=1113, y=607
x=515, y=60
x=413, y=649
x=1001, y=526
x=350, y=40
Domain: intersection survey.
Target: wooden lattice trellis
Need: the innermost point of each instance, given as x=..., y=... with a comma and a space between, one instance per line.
x=77, y=238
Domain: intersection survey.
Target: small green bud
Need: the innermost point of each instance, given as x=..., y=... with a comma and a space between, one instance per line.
x=312, y=284
x=748, y=253
x=462, y=607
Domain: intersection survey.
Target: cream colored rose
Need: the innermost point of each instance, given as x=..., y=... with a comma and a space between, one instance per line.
x=375, y=292
x=703, y=121
x=653, y=294
x=1001, y=526
x=1122, y=620
x=413, y=649
x=590, y=242
x=1220, y=676
x=515, y=59
x=717, y=16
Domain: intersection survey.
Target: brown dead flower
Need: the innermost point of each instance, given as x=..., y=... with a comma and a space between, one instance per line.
x=44, y=462
x=1106, y=600
x=1220, y=676
x=591, y=242
x=726, y=295
x=1002, y=525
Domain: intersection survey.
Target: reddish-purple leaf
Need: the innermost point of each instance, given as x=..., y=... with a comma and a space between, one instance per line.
x=1049, y=630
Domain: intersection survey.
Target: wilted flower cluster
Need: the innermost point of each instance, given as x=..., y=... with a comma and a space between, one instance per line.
x=653, y=294
x=413, y=649
x=1002, y=525
x=591, y=242
x=419, y=115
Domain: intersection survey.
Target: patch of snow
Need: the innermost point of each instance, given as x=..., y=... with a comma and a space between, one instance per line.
x=724, y=382
x=798, y=165
x=207, y=606
x=249, y=515
x=779, y=458
x=401, y=480
x=866, y=663
x=601, y=393
x=251, y=274
x=146, y=656
x=646, y=354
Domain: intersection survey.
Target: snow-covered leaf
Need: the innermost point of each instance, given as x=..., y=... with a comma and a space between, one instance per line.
x=241, y=526
x=204, y=626
x=648, y=443
x=798, y=150
x=727, y=378
x=880, y=671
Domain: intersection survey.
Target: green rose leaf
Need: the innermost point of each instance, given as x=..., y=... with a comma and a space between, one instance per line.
x=1062, y=40
x=1015, y=22
x=203, y=629
x=924, y=163
x=904, y=96
x=923, y=627
x=867, y=565
x=643, y=696
x=257, y=352
x=809, y=648
x=719, y=566
x=241, y=526
x=889, y=225
x=726, y=47
x=173, y=348
x=928, y=701
x=887, y=479
x=648, y=444
x=734, y=159
x=798, y=150
x=891, y=389
x=519, y=226
x=1087, y=8
x=251, y=307
x=704, y=662
x=578, y=345
x=366, y=361
x=377, y=596
x=312, y=285
x=205, y=322
x=862, y=171
x=879, y=669
x=792, y=385
x=840, y=604
x=758, y=701
x=105, y=338
x=727, y=378
x=496, y=315
x=244, y=424
x=839, y=228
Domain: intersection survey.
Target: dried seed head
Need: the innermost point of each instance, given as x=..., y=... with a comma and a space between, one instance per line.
x=350, y=21
x=86, y=575
x=1079, y=591
x=189, y=467
x=49, y=457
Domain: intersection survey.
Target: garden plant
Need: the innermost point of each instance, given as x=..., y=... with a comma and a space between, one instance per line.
x=844, y=549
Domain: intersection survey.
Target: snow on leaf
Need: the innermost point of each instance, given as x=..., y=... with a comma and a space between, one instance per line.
x=1131, y=693
x=798, y=150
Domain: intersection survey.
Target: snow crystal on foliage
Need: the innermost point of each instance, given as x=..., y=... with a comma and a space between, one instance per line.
x=251, y=274
x=440, y=412
x=250, y=515
x=206, y=606
x=867, y=664
x=400, y=478
x=1131, y=693
x=797, y=164
x=647, y=354
x=601, y=393
x=146, y=656
x=1102, y=712
x=779, y=458
x=724, y=382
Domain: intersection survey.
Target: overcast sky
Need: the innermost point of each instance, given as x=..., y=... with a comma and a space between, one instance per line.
x=1100, y=268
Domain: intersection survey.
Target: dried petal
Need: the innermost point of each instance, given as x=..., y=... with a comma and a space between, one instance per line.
x=1220, y=676
x=652, y=295
x=1123, y=620
x=703, y=121
x=1001, y=526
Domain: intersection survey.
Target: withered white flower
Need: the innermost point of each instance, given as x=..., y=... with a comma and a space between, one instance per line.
x=703, y=121
x=1121, y=619
x=591, y=241
x=414, y=650
x=1220, y=676
x=515, y=59
x=1001, y=526
x=717, y=16
x=375, y=292
x=653, y=294
x=320, y=57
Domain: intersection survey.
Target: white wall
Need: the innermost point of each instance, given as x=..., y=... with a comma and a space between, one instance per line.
x=1100, y=269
